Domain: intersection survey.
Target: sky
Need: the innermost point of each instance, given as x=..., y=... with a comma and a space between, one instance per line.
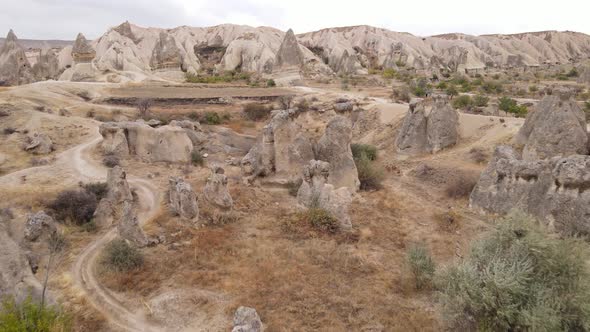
x=63, y=19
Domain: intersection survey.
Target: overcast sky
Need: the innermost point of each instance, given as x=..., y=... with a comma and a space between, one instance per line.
x=63, y=19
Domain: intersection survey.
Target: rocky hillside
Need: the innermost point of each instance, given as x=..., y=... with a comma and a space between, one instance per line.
x=132, y=53
x=354, y=49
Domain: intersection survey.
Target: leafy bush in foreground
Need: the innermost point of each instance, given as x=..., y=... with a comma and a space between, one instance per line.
x=29, y=316
x=120, y=256
x=421, y=265
x=519, y=277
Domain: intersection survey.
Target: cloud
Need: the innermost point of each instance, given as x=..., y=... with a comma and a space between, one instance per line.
x=63, y=19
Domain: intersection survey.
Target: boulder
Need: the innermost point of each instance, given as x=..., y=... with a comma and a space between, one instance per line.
x=423, y=132
x=215, y=191
x=166, y=143
x=129, y=228
x=15, y=68
x=39, y=143
x=182, y=199
x=334, y=148
x=316, y=192
x=553, y=190
x=37, y=224
x=247, y=320
x=556, y=128
x=343, y=107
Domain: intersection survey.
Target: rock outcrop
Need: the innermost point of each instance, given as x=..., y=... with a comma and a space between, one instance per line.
x=166, y=54
x=38, y=224
x=129, y=228
x=289, y=53
x=584, y=75
x=553, y=190
x=109, y=209
x=556, y=128
x=16, y=277
x=47, y=66
x=216, y=192
x=334, y=148
x=282, y=149
x=182, y=199
x=423, y=132
x=247, y=320
x=82, y=51
x=39, y=143
x=166, y=143
x=15, y=68
x=316, y=192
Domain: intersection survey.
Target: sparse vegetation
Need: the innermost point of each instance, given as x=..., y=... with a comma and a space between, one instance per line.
x=30, y=316
x=518, y=277
x=99, y=189
x=421, y=265
x=510, y=105
x=461, y=102
x=479, y=155
x=76, y=206
x=271, y=83
x=225, y=77
x=197, y=158
x=401, y=94
x=110, y=160
x=389, y=73
x=212, y=118
x=369, y=174
x=256, y=111
x=8, y=131
x=119, y=256
x=461, y=187
x=321, y=220
x=480, y=101
x=360, y=150
x=293, y=187
x=285, y=102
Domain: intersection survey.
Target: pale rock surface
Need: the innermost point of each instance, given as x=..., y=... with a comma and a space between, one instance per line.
x=109, y=208
x=334, y=148
x=316, y=192
x=215, y=191
x=15, y=68
x=584, y=75
x=556, y=128
x=39, y=143
x=129, y=228
x=247, y=320
x=289, y=53
x=553, y=190
x=182, y=199
x=47, y=66
x=16, y=277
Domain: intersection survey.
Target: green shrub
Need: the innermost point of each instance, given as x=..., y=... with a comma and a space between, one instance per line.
x=480, y=101
x=370, y=176
x=389, y=73
x=533, y=88
x=366, y=150
x=493, y=87
x=99, y=189
x=452, y=91
x=322, y=220
x=401, y=94
x=29, y=316
x=225, y=77
x=256, y=111
x=212, y=118
x=75, y=206
x=421, y=265
x=518, y=277
x=271, y=83
x=511, y=106
x=461, y=102
x=573, y=73
x=120, y=256
x=197, y=159
x=293, y=187
x=442, y=86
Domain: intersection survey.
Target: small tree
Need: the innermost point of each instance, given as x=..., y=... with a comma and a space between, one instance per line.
x=143, y=107
x=452, y=91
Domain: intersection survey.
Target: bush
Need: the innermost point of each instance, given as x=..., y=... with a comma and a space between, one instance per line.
x=293, y=187
x=110, y=161
x=519, y=277
x=285, y=102
x=197, y=159
x=402, y=94
x=421, y=265
x=31, y=316
x=225, y=77
x=212, y=118
x=121, y=257
x=479, y=155
x=256, y=111
x=9, y=131
x=370, y=176
x=510, y=105
x=271, y=83
x=143, y=107
x=480, y=101
x=322, y=220
x=99, y=189
x=360, y=150
x=75, y=206
x=302, y=105
x=452, y=91
x=461, y=102
x=389, y=73
x=461, y=187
